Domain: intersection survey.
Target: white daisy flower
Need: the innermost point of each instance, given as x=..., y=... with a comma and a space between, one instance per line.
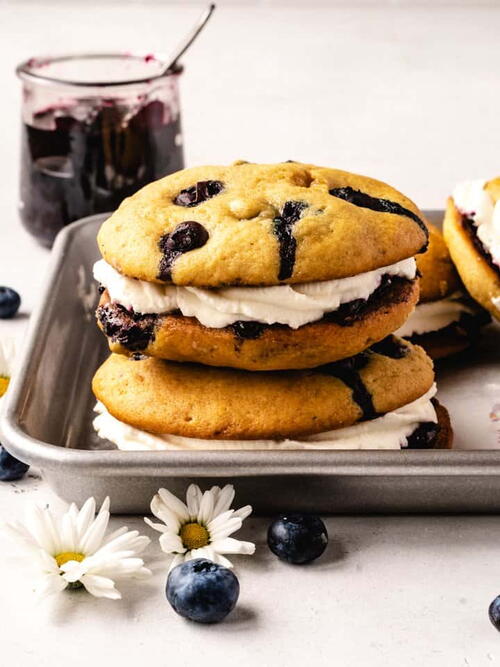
x=7, y=357
x=70, y=549
x=201, y=527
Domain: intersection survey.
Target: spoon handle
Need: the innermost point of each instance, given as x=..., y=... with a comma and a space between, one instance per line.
x=190, y=37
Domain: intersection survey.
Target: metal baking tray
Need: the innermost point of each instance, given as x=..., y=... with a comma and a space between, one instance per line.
x=48, y=413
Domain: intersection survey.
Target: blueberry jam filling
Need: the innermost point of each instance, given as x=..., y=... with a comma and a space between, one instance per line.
x=185, y=237
x=72, y=167
x=198, y=193
x=392, y=289
x=424, y=436
x=283, y=230
x=364, y=200
x=347, y=370
x=134, y=331
x=471, y=229
x=468, y=326
x=248, y=330
x=390, y=347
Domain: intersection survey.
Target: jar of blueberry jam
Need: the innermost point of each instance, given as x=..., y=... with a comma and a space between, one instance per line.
x=95, y=129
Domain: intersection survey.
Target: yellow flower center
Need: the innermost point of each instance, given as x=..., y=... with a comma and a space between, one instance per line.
x=66, y=556
x=194, y=536
x=4, y=383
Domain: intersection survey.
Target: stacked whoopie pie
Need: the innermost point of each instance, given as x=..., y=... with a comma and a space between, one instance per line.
x=252, y=307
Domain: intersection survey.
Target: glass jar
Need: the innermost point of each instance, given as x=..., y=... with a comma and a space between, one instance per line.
x=95, y=129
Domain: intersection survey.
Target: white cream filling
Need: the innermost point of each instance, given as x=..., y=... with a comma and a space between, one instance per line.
x=294, y=305
x=387, y=432
x=473, y=201
x=435, y=315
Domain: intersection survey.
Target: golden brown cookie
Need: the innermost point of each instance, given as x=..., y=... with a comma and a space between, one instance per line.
x=438, y=274
x=258, y=347
x=260, y=224
x=199, y=402
x=480, y=276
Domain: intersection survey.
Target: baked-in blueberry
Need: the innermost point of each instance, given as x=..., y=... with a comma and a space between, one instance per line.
x=198, y=193
x=202, y=591
x=9, y=302
x=494, y=612
x=187, y=236
x=297, y=538
x=10, y=467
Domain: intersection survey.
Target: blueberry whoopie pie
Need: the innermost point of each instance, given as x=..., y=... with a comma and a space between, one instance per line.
x=446, y=320
x=382, y=398
x=258, y=267
x=472, y=233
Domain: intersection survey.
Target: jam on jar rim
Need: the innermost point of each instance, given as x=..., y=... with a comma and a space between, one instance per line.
x=32, y=69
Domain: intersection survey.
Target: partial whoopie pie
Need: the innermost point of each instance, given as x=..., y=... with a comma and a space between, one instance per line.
x=472, y=233
x=446, y=320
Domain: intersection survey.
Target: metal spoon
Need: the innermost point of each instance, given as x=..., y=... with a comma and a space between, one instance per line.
x=189, y=39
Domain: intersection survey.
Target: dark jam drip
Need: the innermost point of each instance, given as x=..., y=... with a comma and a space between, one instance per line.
x=198, y=193
x=73, y=168
x=134, y=331
x=347, y=370
x=364, y=200
x=185, y=237
x=248, y=330
x=424, y=436
x=471, y=229
x=390, y=347
x=283, y=230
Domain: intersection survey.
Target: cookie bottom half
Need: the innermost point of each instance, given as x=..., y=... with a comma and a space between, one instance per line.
x=258, y=347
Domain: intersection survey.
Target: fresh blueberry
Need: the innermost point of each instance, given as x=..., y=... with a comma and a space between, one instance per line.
x=494, y=612
x=297, y=538
x=202, y=591
x=9, y=302
x=10, y=468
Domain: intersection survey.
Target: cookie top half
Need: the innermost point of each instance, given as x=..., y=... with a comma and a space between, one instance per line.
x=164, y=397
x=260, y=224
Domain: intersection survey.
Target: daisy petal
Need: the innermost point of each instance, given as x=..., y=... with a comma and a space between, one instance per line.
x=165, y=514
x=231, y=546
x=85, y=516
x=100, y=587
x=174, y=504
x=176, y=560
x=205, y=513
x=160, y=527
x=51, y=584
x=193, y=499
x=92, y=538
x=222, y=560
x=171, y=543
x=243, y=512
x=225, y=499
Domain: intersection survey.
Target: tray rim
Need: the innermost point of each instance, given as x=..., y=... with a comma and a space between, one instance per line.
x=206, y=463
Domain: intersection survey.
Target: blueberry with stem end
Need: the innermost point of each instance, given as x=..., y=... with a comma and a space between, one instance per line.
x=202, y=591
x=297, y=538
x=9, y=302
x=11, y=469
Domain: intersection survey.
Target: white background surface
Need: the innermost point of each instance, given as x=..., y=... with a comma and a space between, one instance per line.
x=407, y=95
